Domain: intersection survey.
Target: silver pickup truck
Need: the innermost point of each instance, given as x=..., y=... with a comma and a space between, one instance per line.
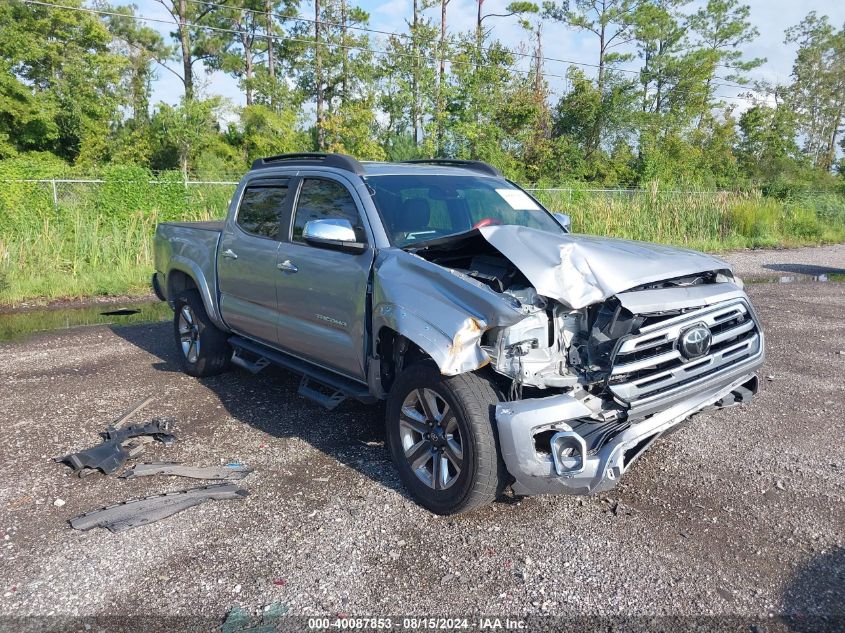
x=510, y=351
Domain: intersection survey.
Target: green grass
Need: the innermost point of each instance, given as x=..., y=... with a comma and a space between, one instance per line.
x=98, y=239
x=706, y=220
x=77, y=255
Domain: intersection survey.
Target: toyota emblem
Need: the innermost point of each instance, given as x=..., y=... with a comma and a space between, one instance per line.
x=695, y=341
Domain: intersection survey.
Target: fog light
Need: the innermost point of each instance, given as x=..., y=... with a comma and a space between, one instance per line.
x=569, y=453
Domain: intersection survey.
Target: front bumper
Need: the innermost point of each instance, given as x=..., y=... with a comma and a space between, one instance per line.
x=600, y=469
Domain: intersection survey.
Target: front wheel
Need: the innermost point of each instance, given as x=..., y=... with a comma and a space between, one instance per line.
x=441, y=435
x=203, y=348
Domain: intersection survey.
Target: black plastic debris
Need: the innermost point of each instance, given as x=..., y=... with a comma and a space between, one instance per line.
x=159, y=428
x=228, y=472
x=110, y=455
x=120, y=312
x=138, y=512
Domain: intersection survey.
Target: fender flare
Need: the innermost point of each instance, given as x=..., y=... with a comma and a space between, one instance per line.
x=190, y=268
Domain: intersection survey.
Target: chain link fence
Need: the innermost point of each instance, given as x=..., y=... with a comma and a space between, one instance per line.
x=77, y=237
x=170, y=198
x=210, y=197
x=138, y=205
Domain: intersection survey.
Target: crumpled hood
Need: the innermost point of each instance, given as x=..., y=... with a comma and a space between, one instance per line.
x=579, y=270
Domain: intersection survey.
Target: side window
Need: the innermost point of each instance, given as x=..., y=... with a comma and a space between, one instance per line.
x=324, y=199
x=260, y=209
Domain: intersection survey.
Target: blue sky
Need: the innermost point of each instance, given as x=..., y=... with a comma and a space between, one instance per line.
x=772, y=18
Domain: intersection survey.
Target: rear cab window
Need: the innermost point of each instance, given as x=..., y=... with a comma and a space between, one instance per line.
x=262, y=205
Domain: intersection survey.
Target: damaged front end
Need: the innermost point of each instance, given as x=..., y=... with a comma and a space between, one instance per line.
x=601, y=346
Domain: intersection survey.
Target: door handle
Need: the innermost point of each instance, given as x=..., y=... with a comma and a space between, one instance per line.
x=288, y=266
x=229, y=253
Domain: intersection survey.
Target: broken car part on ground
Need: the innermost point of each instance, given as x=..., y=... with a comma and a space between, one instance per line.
x=121, y=443
x=138, y=512
x=112, y=453
x=510, y=352
x=228, y=472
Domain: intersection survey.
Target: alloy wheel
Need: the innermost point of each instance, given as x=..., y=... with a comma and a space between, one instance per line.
x=189, y=334
x=431, y=438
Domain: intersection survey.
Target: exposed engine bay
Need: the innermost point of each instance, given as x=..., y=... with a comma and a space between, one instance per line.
x=554, y=346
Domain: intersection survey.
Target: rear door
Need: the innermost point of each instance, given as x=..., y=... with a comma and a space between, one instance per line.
x=247, y=256
x=323, y=292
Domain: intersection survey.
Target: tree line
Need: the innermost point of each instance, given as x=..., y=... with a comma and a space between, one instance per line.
x=649, y=106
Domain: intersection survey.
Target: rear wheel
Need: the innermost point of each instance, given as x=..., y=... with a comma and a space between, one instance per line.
x=441, y=435
x=203, y=347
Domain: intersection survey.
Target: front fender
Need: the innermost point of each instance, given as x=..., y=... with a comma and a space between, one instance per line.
x=454, y=354
x=442, y=311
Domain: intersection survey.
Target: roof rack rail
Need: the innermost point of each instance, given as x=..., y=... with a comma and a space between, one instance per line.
x=309, y=159
x=477, y=165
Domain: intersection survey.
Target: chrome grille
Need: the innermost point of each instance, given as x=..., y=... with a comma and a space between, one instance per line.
x=648, y=366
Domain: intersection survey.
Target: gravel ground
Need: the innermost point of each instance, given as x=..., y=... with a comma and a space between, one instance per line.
x=738, y=514
x=775, y=263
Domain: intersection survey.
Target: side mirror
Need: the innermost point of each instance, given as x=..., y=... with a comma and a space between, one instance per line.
x=333, y=233
x=564, y=220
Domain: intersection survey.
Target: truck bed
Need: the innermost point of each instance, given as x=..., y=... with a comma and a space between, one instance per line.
x=191, y=247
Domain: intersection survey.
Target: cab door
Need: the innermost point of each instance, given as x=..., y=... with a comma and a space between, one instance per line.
x=323, y=292
x=247, y=256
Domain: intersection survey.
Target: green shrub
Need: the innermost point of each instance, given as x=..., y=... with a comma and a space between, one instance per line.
x=705, y=220
x=803, y=223
x=93, y=238
x=757, y=220
x=96, y=238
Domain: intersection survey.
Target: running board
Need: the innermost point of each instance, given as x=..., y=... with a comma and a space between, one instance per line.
x=327, y=400
x=252, y=366
x=322, y=386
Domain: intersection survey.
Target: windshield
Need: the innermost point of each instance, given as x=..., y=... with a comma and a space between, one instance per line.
x=419, y=208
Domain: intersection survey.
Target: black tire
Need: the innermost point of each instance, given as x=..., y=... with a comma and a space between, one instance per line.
x=472, y=402
x=207, y=351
